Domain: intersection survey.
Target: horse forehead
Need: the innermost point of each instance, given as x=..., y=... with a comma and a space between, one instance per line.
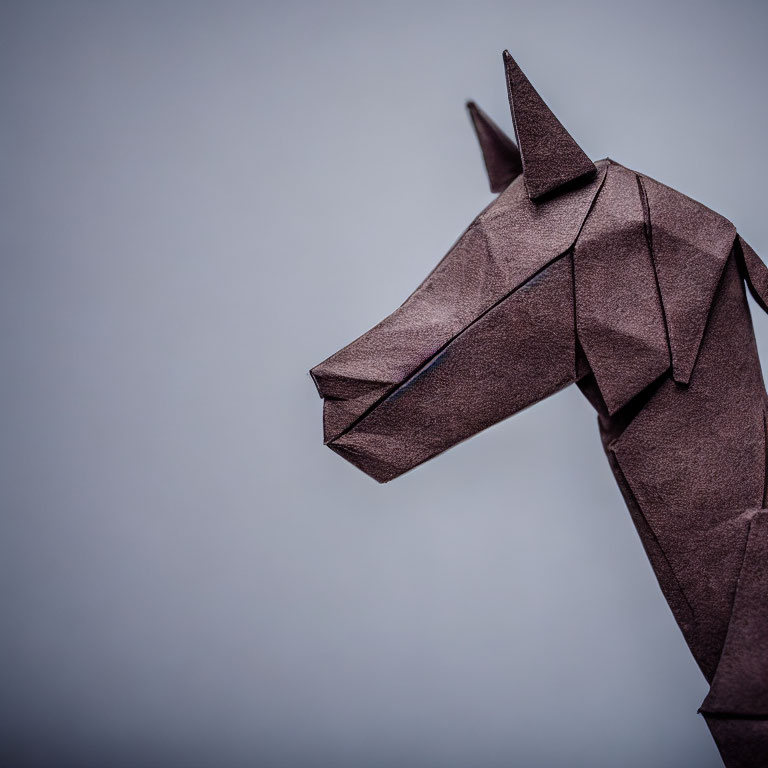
x=527, y=235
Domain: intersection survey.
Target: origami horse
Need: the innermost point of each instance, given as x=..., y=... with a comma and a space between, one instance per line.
x=595, y=274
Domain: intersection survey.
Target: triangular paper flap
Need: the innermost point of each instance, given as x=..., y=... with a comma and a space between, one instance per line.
x=740, y=685
x=551, y=158
x=619, y=319
x=755, y=273
x=500, y=154
x=690, y=245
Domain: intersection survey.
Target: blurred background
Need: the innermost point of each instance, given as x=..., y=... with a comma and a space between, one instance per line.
x=200, y=202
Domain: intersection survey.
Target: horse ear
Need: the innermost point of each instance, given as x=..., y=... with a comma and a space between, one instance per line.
x=501, y=156
x=551, y=158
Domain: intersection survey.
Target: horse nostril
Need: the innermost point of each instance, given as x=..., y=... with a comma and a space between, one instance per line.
x=331, y=383
x=346, y=396
x=338, y=384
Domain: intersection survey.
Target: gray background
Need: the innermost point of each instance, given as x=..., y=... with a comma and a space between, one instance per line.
x=200, y=202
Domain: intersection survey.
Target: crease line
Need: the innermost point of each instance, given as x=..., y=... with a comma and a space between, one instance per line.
x=765, y=464
x=730, y=628
x=655, y=537
x=648, y=228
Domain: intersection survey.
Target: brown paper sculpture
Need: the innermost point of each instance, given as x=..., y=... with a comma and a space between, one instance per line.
x=595, y=274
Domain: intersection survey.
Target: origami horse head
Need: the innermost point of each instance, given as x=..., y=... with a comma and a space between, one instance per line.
x=595, y=274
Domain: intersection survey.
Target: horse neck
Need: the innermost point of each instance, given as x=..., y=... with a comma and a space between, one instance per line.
x=691, y=463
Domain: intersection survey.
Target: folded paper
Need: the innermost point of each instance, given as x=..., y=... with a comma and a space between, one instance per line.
x=594, y=274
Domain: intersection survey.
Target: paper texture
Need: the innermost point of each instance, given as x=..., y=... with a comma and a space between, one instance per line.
x=594, y=274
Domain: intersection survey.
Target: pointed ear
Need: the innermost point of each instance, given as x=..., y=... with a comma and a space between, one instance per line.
x=551, y=158
x=501, y=156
